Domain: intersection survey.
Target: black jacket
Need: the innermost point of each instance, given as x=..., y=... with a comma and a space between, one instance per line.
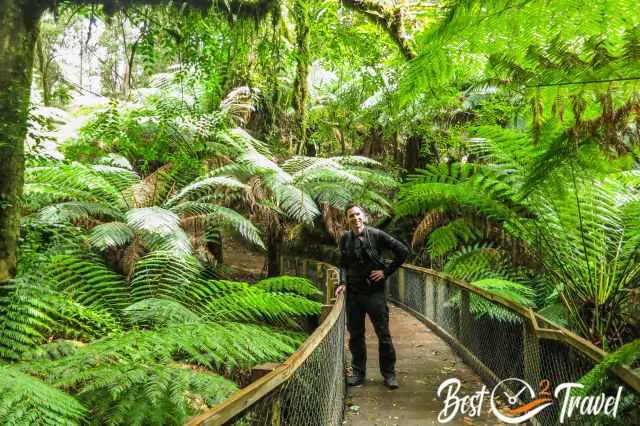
x=359, y=258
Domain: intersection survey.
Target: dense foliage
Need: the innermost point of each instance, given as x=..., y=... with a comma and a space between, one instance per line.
x=501, y=138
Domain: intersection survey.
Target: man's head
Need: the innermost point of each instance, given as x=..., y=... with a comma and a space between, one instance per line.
x=356, y=217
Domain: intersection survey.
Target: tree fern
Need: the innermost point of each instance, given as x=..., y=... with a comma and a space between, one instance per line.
x=582, y=240
x=130, y=393
x=97, y=194
x=225, y=346
x=25, y=400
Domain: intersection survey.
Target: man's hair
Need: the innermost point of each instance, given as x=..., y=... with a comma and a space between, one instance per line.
x=352, y=205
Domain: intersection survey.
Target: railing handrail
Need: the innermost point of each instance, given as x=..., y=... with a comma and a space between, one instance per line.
x=246, y=397
x=559, y=333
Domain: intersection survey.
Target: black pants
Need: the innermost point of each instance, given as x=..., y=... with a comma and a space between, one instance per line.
x=376, y=306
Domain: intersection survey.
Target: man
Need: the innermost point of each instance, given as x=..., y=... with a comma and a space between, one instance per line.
x=363, y=274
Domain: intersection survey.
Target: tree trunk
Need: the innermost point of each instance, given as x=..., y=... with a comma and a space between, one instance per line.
x=43, y=68
x=18, y=32
x=274, y=248
x=396, y=147
x=412, y=159
x=300, y=89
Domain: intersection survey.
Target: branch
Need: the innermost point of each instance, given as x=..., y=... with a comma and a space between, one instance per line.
x=391, y=18
x=240, y=8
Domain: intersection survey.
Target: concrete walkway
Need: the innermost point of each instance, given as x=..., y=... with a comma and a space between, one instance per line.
x=424, y=361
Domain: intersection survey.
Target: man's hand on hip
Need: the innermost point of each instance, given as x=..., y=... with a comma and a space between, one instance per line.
x=377, y=275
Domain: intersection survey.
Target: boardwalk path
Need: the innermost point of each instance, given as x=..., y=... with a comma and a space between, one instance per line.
x=424, y=361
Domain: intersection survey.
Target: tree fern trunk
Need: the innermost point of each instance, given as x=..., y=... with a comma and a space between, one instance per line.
x=274, y=249
x=18, y=32
x=412, y=159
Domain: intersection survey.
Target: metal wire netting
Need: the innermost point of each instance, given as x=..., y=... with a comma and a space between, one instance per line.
x=314, y=393
x=500, y=343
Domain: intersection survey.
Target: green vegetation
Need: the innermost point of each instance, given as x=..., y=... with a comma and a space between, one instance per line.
x=500, y=138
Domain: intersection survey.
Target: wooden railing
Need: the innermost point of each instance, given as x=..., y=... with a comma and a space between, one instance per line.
x=501, y=339
x=266, y=398
x=512, y=342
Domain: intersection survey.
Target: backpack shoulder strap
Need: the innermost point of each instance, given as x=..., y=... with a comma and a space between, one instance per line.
x=372, y=246
x=348, y=242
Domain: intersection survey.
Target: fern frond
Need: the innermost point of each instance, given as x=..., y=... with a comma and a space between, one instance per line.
x=474, y=262
x=202, y=186
x=162, y=275
x=160, y=312
x=25, y=400
x=219, y=216
x=160, y=228
x=57, y=349
x=153, y=219
x=80, y=179
x=112, y=234
x=26, y=314
x=115, y=160
x=627, y=354
x=288, y=284
x=223, y=346
x=447, y=238
x=254, y=305
x=89, y=282
x=72, y=211
x=516, y=292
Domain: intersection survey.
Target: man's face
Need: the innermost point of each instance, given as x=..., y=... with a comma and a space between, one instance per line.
x=356, y=219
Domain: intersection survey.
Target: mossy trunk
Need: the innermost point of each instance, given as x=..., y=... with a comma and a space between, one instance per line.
x=300, y=88
x=18, y=32
x=43, y=68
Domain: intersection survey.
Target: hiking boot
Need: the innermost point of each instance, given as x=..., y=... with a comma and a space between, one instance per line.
x=355, y=380
x=391, y=382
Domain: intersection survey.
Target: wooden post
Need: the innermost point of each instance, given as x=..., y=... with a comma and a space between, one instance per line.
x=321, y=281
x=531, y=354
x=324, y=313
x=276, y=411
x=262, y=370
x=429, y=294
x=465, y=318
x=442, y=299
x=401, y=286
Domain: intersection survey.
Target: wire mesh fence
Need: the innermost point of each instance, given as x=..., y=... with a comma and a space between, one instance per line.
x=501, y=342
x=505, y=343
x=308, y=389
